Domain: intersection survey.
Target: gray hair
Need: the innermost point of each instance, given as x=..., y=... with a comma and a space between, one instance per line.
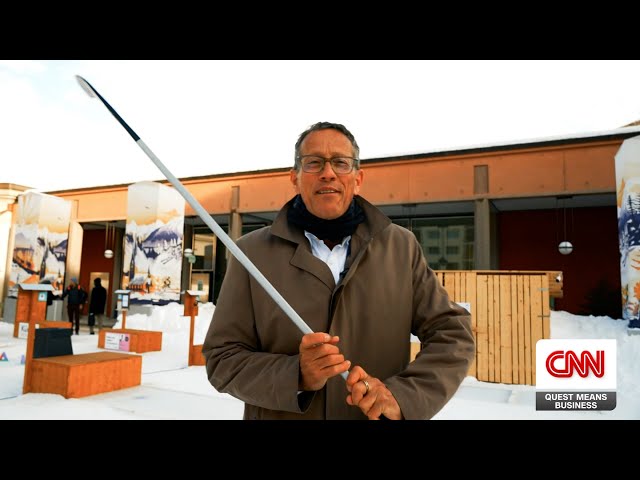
x=324, y=126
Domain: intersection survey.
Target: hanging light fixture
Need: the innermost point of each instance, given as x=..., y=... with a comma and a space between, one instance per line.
x=109, y=235
x=565, y=247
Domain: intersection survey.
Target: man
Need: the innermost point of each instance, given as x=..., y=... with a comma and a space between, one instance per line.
x=362, y=285
x=97, y=304
x=77, y=298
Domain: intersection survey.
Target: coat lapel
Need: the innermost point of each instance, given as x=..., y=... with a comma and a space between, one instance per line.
x=304, y=259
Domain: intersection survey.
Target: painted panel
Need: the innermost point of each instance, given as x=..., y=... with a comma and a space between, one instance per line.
x=628, y=198
x=40, y=241
x=153, y=243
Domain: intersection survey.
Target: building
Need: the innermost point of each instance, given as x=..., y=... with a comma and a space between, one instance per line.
x=491, y=207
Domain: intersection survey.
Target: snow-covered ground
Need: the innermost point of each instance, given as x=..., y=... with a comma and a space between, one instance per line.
x=172, y=390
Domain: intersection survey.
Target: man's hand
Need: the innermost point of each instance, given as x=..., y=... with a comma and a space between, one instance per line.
x=371, y=396
x=320, y=359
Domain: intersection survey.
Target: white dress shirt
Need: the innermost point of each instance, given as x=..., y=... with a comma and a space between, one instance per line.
x=335, y=258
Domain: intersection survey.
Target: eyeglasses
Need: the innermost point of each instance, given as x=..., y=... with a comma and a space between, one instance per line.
x=315, y=164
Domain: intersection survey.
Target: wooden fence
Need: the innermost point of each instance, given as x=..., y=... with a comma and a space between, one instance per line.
x=510, y=313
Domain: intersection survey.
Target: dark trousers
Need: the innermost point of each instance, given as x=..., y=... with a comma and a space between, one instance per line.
x=74, y=315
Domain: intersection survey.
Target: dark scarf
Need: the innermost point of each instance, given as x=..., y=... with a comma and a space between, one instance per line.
x=333, y=230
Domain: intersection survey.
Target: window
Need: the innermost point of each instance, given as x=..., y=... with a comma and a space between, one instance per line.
x=446, y=241
x=203, y=249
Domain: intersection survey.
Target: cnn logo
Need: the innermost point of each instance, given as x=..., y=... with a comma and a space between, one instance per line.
x=562, y=364
x=581, y=364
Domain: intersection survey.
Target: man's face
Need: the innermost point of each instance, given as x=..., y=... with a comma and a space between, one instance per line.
x=326, y=194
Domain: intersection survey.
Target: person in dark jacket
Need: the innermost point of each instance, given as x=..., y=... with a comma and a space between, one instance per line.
x=97, y=304
x=77, y=298
x=363, y=286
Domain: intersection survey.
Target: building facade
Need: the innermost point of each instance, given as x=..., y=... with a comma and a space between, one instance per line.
x=494, y=207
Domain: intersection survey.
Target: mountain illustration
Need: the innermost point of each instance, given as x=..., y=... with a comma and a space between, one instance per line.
x=161, y=236
x=629, y=218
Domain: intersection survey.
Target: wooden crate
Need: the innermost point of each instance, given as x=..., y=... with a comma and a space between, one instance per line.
x=196, y=357
x=81, y=375
x=140, y=341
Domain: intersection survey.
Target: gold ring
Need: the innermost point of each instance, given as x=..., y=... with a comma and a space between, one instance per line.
x=366, y=384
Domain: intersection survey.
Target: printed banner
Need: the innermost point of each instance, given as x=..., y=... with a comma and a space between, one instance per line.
x=628, y=198
x=40, y=241
x=152, y=262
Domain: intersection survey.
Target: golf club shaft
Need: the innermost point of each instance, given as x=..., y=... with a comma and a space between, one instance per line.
x=207, y=219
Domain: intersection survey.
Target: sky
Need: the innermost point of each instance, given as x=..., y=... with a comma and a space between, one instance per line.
x=205, y=117
x=171, y=390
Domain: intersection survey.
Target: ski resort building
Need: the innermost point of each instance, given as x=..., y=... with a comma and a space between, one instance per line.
x=503, y=206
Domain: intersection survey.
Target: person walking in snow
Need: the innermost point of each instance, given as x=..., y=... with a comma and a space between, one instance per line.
x=77, y=298
x=363, y=286
x=96, y=304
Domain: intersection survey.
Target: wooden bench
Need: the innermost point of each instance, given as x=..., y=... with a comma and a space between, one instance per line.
x=140, y=341
x=81, y=375
x=42, y=324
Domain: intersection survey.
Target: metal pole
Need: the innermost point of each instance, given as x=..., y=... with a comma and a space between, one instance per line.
x=206, y=218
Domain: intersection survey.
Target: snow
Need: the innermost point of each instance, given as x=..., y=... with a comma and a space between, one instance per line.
x=172, y=390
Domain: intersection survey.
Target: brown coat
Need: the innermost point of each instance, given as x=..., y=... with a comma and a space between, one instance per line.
x=251, y=348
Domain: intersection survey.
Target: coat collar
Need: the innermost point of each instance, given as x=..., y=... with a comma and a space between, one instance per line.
x=375, y=222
